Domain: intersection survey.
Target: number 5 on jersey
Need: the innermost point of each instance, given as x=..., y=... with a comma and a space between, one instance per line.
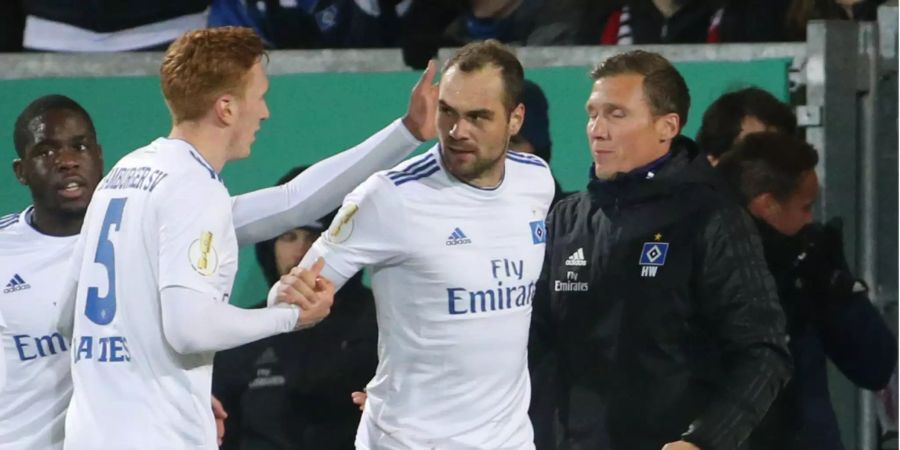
x=102, y=310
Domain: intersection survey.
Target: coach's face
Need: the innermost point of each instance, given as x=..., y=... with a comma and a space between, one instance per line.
x=62, y=161
x=622, y=131
x=474, y=125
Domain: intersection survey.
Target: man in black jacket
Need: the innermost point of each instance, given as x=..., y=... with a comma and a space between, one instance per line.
x=829, y=315
x=655, y=300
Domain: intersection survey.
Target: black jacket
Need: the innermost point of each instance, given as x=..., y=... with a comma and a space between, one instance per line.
x=292, y=391
x=826, y=320
x=656, y=303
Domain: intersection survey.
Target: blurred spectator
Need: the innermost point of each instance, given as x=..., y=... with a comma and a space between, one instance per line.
x=109, y=26
x=534, y=135
x=711, y=21
x=293, y=390
x=659, y=22
x=316, y=24
x=802, y=11
x=435, y=24
x=738, y=113
x=829, y=315
x=12, y=24
x=748, y=21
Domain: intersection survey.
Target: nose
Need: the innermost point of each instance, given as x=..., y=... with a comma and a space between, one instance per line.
x=265, y=111
x=459, y=130
x=597, y=129
x=67, y=158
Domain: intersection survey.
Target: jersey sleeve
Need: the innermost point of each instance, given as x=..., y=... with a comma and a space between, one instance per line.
x=367, y=230
x=266, y=213
x=2, y=356
x=194, y=221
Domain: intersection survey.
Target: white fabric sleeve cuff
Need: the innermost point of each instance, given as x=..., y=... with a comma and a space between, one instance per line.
x=195, y=322
x=266, y=213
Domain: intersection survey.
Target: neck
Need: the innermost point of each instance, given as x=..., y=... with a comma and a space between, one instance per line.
x=208, y=141
x=667, y=8
x=55, y=222
x=491, y=178
x=486, y=179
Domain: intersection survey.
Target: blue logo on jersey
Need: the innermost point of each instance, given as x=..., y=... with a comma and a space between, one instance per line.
x=538, y=232
x=16, y=283
x=30, y=347
x=654, y=253
x=457, y=237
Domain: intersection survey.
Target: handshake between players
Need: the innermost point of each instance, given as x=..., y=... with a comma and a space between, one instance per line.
x=307, y=290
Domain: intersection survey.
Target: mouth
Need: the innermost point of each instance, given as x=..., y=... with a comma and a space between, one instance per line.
x=460, y=150
x=72, y=188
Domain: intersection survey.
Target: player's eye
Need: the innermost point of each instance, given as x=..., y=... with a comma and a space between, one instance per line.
x=41, y=151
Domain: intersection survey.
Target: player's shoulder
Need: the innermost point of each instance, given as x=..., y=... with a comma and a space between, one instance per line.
x=8, y=222
x=527, y=162
x=175, y=157
x=530, y=173
x=392, y=185
x=173, y=165
x=413, y=170
x=14, y=232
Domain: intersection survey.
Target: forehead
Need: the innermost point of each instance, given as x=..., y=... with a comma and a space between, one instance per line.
x=619, y=89
x=479, y=89
x=808, y=188
x=257, y=79
x=56, y=124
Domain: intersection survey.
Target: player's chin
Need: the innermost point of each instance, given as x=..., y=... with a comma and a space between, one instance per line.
x=244, y=152
x=77, y=206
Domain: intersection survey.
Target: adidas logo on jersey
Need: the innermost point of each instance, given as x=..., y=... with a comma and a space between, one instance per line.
x=577, y=258
x=16, y=283
x=457, y=237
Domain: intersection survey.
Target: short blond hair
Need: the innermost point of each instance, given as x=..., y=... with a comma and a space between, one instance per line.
x=203, y=64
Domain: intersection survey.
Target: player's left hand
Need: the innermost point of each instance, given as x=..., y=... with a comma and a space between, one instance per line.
x=220, y=415
x=359, y=399
x=680, y=445
x=422, y=111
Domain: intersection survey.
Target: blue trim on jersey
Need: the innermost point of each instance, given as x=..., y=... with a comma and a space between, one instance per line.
x=417, y=167
x=199, y=159
x=418, y=176
x=523, y=155
x=520, y=158
x=8, y=220
x=399, y=176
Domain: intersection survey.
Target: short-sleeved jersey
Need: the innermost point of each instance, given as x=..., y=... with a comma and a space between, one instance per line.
x=38, y=387
x=160, y=218
x=453, y=269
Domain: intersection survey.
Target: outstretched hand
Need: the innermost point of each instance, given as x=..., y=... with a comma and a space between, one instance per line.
x=422, y=111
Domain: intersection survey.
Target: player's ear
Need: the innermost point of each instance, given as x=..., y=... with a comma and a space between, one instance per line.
x=764, y=206
x=516, y=117
x=19, y=170
x=225, y=109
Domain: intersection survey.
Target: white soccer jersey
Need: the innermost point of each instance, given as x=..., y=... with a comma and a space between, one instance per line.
x=454, y=269
x=2, y=356
x=132, y=390
x=38, y=387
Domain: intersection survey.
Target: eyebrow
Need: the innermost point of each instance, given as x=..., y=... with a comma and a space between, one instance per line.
x=481, y=112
